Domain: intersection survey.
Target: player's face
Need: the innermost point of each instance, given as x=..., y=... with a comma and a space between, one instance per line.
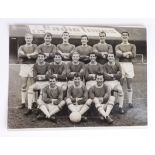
x=125, y=36
x=52, y=82
x=57, y=59
x=41, y=58
x=84, y=40
x=75, y=57
x=77, y=81
x=111, y=58
x=65, y=36
x=28, y=39
x=99, y=80
x=47, y=39
x=92, y=57
x=102, y=37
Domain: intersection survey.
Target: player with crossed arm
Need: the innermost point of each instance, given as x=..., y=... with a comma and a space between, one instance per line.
x=47, y=48
x=52, y=100
x=84, y=49
x=40, y=70
x=65, y=49
x=102, y=48
x=103, y=99
x=112, y=72
x=27, y=55
x=77, y=97
x=59, y=70
x=91, y=69
x=126, y=52
x=75, y=66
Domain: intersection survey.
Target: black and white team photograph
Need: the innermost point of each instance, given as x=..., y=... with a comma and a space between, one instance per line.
x=77, y=76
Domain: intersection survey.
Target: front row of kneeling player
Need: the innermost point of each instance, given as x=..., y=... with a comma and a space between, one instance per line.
x=78, y=99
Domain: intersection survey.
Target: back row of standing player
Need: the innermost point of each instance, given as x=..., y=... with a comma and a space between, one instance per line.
x=86, y=54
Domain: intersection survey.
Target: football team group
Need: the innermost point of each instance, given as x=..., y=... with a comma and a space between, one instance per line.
x=79, y=78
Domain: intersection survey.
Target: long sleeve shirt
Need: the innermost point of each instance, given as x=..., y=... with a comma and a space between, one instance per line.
x=126, y=48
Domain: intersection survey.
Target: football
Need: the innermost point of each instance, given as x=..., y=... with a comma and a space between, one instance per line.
x=75, y=117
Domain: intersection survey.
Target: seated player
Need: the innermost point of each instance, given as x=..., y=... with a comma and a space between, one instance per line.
x=51, y=101
x=47, y=48
x=126, y=52
x=84, y=49
x=27, y=55
x=75, y=66
x=77, y=97
x=112, y=74
x=102, y=98
x=91, y=69
x=65, y=49
x=59, y=69
x=40, y=70
x=102, y=48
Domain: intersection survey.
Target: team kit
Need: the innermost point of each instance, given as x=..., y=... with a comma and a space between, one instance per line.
x=79, y=78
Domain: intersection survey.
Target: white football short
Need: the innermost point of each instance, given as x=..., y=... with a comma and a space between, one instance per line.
x=127, y=69
x=112, y=84
x=26, y=70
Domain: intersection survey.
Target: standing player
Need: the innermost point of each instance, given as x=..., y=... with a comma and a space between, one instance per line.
x=75, y=66
x=65, y=49
x=102, y=98
x=27, y=55
x=40, y=70
x=84, y=49
x=59, y=69
x=112, y=72
x=126, y=52
x=52, y=100
x=47, y=48
x=91, y=69
x=102, y=49
x=77, y=97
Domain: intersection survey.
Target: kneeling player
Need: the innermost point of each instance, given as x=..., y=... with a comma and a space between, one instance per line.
x=112, y=74
x=40, y=70
x=52, y=100
x=77, y=97
x=102, y=98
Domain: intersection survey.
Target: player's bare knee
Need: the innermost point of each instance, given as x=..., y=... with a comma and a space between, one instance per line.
x=89, y=102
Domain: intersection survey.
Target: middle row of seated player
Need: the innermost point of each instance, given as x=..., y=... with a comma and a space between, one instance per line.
x=65, y=74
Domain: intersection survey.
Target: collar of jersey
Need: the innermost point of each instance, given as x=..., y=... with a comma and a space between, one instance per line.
x=99, y=86
x=111, y=64
x=28, y=45
x=47, y=45
x=92, y=64
x=58, y=64
x=75, y=64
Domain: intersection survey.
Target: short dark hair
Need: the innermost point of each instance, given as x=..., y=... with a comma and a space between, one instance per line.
x=102, y=32
x=52, y=77
x=66, y=32
x=57, y=53
x=84, y=36
x=77, y=75
x=41, y=53
x=125, y=32
x=48, y=34
x=99, y=74
x=92, y=53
